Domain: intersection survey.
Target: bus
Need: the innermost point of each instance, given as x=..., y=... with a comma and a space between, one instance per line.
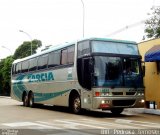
x=92, y=74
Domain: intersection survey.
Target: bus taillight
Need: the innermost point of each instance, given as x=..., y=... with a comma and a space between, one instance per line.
x=103, y=106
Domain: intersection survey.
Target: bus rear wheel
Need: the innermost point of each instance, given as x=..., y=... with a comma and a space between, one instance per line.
x=25, y=100
x=76, y=104
x=31, y=100
x=117, y=111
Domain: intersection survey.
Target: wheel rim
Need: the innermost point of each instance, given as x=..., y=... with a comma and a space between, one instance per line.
x=25, y=100
x=77, y=104
x=31, y=102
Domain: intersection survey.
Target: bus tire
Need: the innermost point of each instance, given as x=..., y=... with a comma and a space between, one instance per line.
x=31, y=100
x=76, y=104
x=25, y=100
x=117, y=111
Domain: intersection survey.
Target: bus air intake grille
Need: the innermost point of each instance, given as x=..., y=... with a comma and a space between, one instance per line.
x=130, y=93
x=123, y=102
x=117, y=93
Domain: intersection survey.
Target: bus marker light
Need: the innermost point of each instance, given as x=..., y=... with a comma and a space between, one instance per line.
x=107, y=101
x=107, y=94
x=97, y=94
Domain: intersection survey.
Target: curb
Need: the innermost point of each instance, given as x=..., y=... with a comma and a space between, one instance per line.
x=5, y=97
x=144, y=110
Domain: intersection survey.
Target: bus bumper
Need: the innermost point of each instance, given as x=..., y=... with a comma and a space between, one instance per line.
x=107, y=103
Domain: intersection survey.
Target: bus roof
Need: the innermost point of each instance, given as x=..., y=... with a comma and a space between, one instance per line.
x=57, y=47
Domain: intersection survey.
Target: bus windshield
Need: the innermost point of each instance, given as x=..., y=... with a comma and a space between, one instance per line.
x=116, y=72
x=114, y=47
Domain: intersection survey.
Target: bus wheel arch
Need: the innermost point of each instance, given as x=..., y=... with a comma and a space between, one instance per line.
x=75, y=102
x=25, y=98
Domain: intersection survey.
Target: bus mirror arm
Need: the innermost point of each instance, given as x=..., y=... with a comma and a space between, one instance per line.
x=143, y=68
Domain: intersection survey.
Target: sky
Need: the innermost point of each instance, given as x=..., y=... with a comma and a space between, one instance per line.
x=59, y=21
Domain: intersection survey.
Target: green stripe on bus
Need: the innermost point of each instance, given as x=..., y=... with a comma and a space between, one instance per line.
x=19, y=88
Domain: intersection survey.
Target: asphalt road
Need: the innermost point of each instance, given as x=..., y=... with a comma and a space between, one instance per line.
x=48, y=120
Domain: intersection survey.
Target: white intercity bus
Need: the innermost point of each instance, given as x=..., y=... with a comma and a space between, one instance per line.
x=93, y=74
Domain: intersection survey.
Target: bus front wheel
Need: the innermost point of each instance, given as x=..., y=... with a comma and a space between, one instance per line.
x=76, y=104
x=117, y=111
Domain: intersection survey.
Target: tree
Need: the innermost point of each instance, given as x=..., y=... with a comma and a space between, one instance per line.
x=24, y=49
x=5, y=75
x=152, y=25
x=1, y=76
x=6, y=64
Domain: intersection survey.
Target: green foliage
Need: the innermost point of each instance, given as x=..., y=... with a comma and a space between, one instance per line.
x=24, y=50
x=152, y=25
x=1, y=76
x=5, y=75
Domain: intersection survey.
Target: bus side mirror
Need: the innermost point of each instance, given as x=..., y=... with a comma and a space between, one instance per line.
x=143, y=70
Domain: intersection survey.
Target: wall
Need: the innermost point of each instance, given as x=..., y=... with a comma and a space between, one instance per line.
x=151, y=79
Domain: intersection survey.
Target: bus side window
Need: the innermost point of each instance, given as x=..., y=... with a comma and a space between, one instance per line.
x=64, y=57
x=25, y=65
x=33, y=64
x=54, y=59
x=71, y=55
x=42, y=61
x=18, y=67
x=67, y=55
x=13, y=71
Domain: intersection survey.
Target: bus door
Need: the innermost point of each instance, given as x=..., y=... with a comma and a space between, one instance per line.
x=86, y=81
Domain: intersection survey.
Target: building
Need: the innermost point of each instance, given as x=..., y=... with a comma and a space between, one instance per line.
x=150, y=51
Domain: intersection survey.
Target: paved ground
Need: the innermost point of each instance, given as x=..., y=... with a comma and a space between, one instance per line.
x=56, y=121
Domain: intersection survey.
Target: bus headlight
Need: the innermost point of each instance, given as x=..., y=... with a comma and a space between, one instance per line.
x=140, y=94
x=102, y=101
x=105, y=102
x=142, y=101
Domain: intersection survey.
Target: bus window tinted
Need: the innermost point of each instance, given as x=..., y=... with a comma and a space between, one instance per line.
x=25, y=66
x=54, y=59
x=13, y=69
x=108, y=71
x=33, y=64
x=68, y=55
x=83, y=48
x=114, y=47
x=64, y=57
x=18, y=68
x=71, y=55
x=42, y=61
